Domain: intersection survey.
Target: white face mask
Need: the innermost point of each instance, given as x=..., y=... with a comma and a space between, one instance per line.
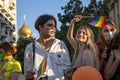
x=108, y=35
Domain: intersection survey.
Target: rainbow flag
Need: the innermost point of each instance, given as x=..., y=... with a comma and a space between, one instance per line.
x=42, y=67
x=98, y=21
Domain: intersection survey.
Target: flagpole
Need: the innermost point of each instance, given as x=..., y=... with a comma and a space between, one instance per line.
x=88, y=16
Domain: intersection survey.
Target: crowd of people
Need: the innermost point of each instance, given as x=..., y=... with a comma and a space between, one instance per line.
x=47, y=57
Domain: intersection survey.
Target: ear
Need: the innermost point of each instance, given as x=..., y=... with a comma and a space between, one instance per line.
x=40, y=28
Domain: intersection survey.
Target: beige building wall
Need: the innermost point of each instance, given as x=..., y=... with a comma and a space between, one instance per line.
x=114, y=11
x=8, y=21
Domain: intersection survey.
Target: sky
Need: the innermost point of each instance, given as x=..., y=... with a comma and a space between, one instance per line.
x=34, y=8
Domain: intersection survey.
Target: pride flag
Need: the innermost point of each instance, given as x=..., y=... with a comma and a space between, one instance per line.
x=42, y=67
x=98, y=21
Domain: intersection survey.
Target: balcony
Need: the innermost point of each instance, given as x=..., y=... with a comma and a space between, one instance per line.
x=7, y=14
x=3, y=34
x=5, y=21
x=1, y=4
x=10, y=14
x=3, y=10
x=12, y=5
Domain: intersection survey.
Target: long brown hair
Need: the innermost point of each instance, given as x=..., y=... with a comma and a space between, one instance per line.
x=101, y=39
x=116, y=41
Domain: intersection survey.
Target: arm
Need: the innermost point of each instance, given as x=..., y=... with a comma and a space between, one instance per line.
x=103, y=57
x=62, y=54
x=88, y=58
x=2, y=74
x=28, y=62
x=14, y=76
x=70, y=31
x=27, y=58
x=111, y=65
x=65, y=55
x=58, y=58
x=16, y=70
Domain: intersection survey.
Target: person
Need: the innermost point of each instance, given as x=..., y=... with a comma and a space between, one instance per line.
x=47, y=48
x=86, y=52
x=11, y=68
x=106, y=34
x=112, y=68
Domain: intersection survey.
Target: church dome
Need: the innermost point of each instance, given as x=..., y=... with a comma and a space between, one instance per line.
x=25, y=31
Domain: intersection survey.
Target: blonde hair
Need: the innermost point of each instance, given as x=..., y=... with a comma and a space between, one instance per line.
x=90, y=44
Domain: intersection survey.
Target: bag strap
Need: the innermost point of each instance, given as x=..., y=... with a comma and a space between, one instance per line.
x=33, y=45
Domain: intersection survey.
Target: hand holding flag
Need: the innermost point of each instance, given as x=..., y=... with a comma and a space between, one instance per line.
x=76, y=18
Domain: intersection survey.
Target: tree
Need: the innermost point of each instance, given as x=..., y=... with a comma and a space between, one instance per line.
x=75, y=7
x=95, y=9
x=21, y=45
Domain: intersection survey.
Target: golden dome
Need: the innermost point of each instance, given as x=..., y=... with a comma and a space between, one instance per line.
x=25, y=31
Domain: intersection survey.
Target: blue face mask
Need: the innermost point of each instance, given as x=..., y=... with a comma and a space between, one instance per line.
x=2, y=56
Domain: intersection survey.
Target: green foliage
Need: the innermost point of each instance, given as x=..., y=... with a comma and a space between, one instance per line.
x=96, y=9
x=72, y=8
x=75, y=7
x=21, y=45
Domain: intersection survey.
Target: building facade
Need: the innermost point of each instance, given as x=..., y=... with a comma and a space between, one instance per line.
x=114, y=11
x=8, y=21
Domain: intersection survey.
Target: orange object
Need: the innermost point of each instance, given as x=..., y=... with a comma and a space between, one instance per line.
x=86, y=73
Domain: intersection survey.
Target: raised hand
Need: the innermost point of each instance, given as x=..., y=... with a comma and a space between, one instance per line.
x=76, y=18
x=30, y=74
